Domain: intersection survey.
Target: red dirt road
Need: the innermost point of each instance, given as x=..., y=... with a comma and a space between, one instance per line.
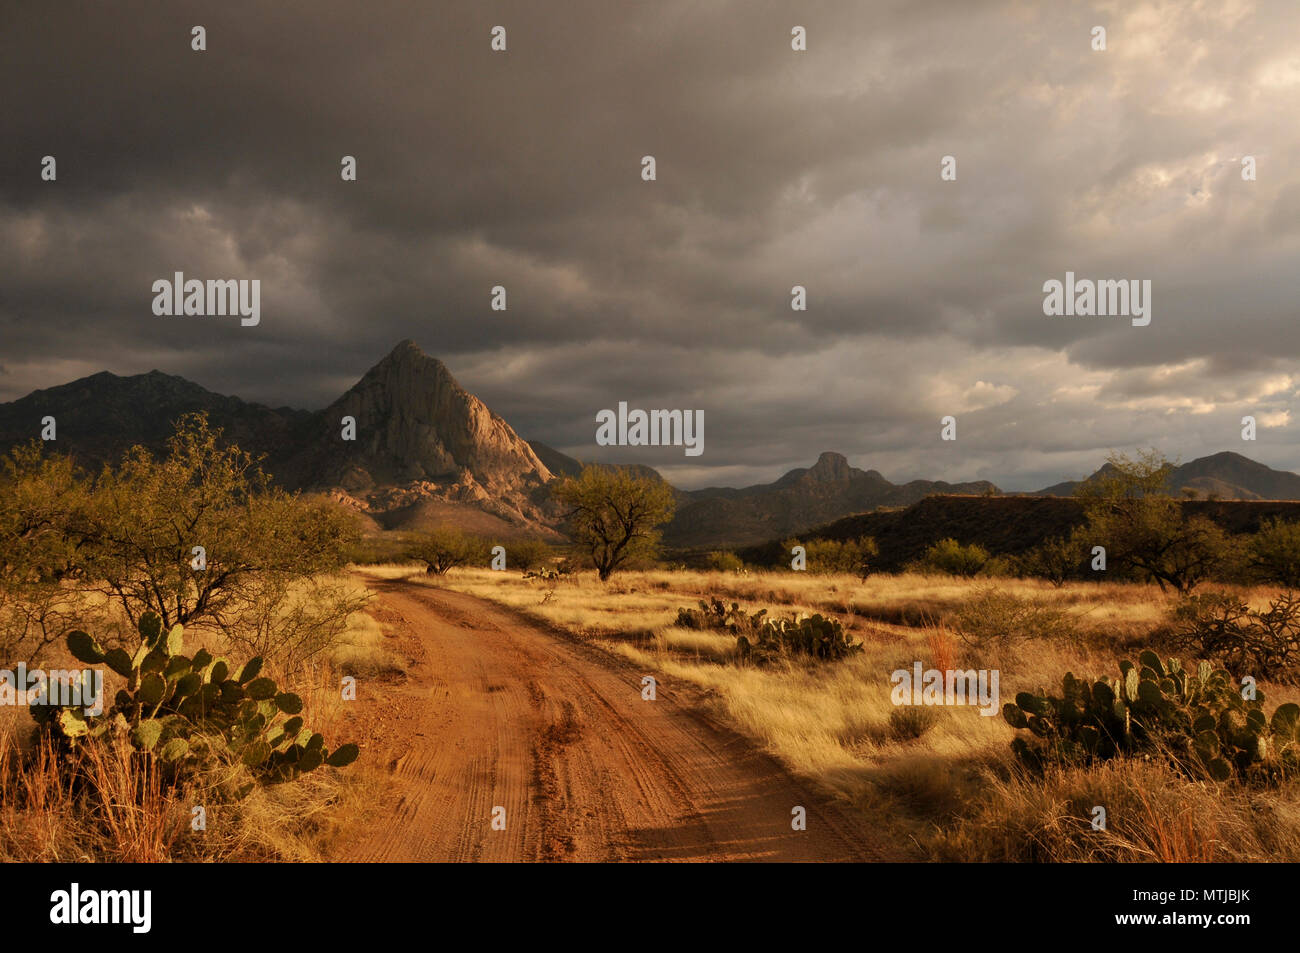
x=498, y=711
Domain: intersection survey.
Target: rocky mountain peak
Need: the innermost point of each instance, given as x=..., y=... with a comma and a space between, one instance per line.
x=415, y=422
x=830, y=468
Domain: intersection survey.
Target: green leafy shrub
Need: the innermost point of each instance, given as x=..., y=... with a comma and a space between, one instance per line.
x=996, y=617
x=854, y=556
x=951, y=557
x=1199, y=720
x=813, y=636
x=528, y=554
x=1223, y=628
x=725, y=561
x=445, y=548
x=827, y=556
x=1058, y=559
x=194, y=711
x=1273, y=554
x=1001, y=567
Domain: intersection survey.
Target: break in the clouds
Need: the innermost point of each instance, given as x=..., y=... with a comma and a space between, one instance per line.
x=775, y=169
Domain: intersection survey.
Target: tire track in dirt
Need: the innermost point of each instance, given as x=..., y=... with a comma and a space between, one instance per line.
x=499, y=711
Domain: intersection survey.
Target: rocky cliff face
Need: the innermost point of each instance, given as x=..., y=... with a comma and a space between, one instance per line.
x=422, y=438
x=415, y=423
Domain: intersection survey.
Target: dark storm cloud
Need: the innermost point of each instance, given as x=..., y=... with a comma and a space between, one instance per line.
x=775, y=169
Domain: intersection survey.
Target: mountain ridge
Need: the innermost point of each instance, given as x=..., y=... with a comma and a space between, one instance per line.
x=1226, y=475
x=426, y=450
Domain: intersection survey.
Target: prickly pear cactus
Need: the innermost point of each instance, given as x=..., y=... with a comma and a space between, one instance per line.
x=1199, y=719
x=813, y=636
x=189, y=709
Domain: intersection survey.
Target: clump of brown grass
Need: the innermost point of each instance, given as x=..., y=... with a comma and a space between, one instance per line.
x=943, y=648
x=1151, y=814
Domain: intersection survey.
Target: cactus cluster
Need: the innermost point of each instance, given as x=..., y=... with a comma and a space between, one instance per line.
x=546, y=575
x=761, y=639
x=815, y=636
x=1199, y=719
x=190, y=709
x=716, y=614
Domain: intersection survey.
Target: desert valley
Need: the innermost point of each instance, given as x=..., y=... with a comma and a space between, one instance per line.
x=393, y=629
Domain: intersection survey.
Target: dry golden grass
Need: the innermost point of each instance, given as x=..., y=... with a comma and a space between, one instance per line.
x=111, y=805
x=1151, y=815
x=946, y=783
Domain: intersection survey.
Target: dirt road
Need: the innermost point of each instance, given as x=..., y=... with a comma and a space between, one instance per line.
x=500, y=712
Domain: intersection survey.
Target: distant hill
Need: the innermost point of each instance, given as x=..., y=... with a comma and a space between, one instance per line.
x=1004, y=525
x=719, y=516
x=799, y=500
x=1227, y=475
x=100, y=416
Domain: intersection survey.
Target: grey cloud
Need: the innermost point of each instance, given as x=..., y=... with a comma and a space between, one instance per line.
x=775, y=169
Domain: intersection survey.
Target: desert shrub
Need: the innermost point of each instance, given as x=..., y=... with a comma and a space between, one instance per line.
x=762, y=639
x=717, y=615
x=1058, y=559
x=1000, y=567
x=829, y=556
x=811, y=636
x=996, y=617
x=1198, y=721
x=144, y=521
x=1273, y=554
x=1222, y=628
x=33, y=616
x=445, y=548
x=725, y=561
x=528, y=554
x=853, y=556
x=192, y=714
x=569, y=567
x=909, y=722
x=293, y=621
x=38, y=550
x=192, y=537
x=955, y=559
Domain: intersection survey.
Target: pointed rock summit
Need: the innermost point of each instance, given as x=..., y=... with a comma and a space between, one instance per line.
x=830, y=468
x=415, y=422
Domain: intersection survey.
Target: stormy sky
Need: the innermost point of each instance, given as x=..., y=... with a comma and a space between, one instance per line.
x=775, y=168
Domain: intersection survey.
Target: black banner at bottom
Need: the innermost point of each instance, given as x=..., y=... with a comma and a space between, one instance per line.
x=909, y=903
